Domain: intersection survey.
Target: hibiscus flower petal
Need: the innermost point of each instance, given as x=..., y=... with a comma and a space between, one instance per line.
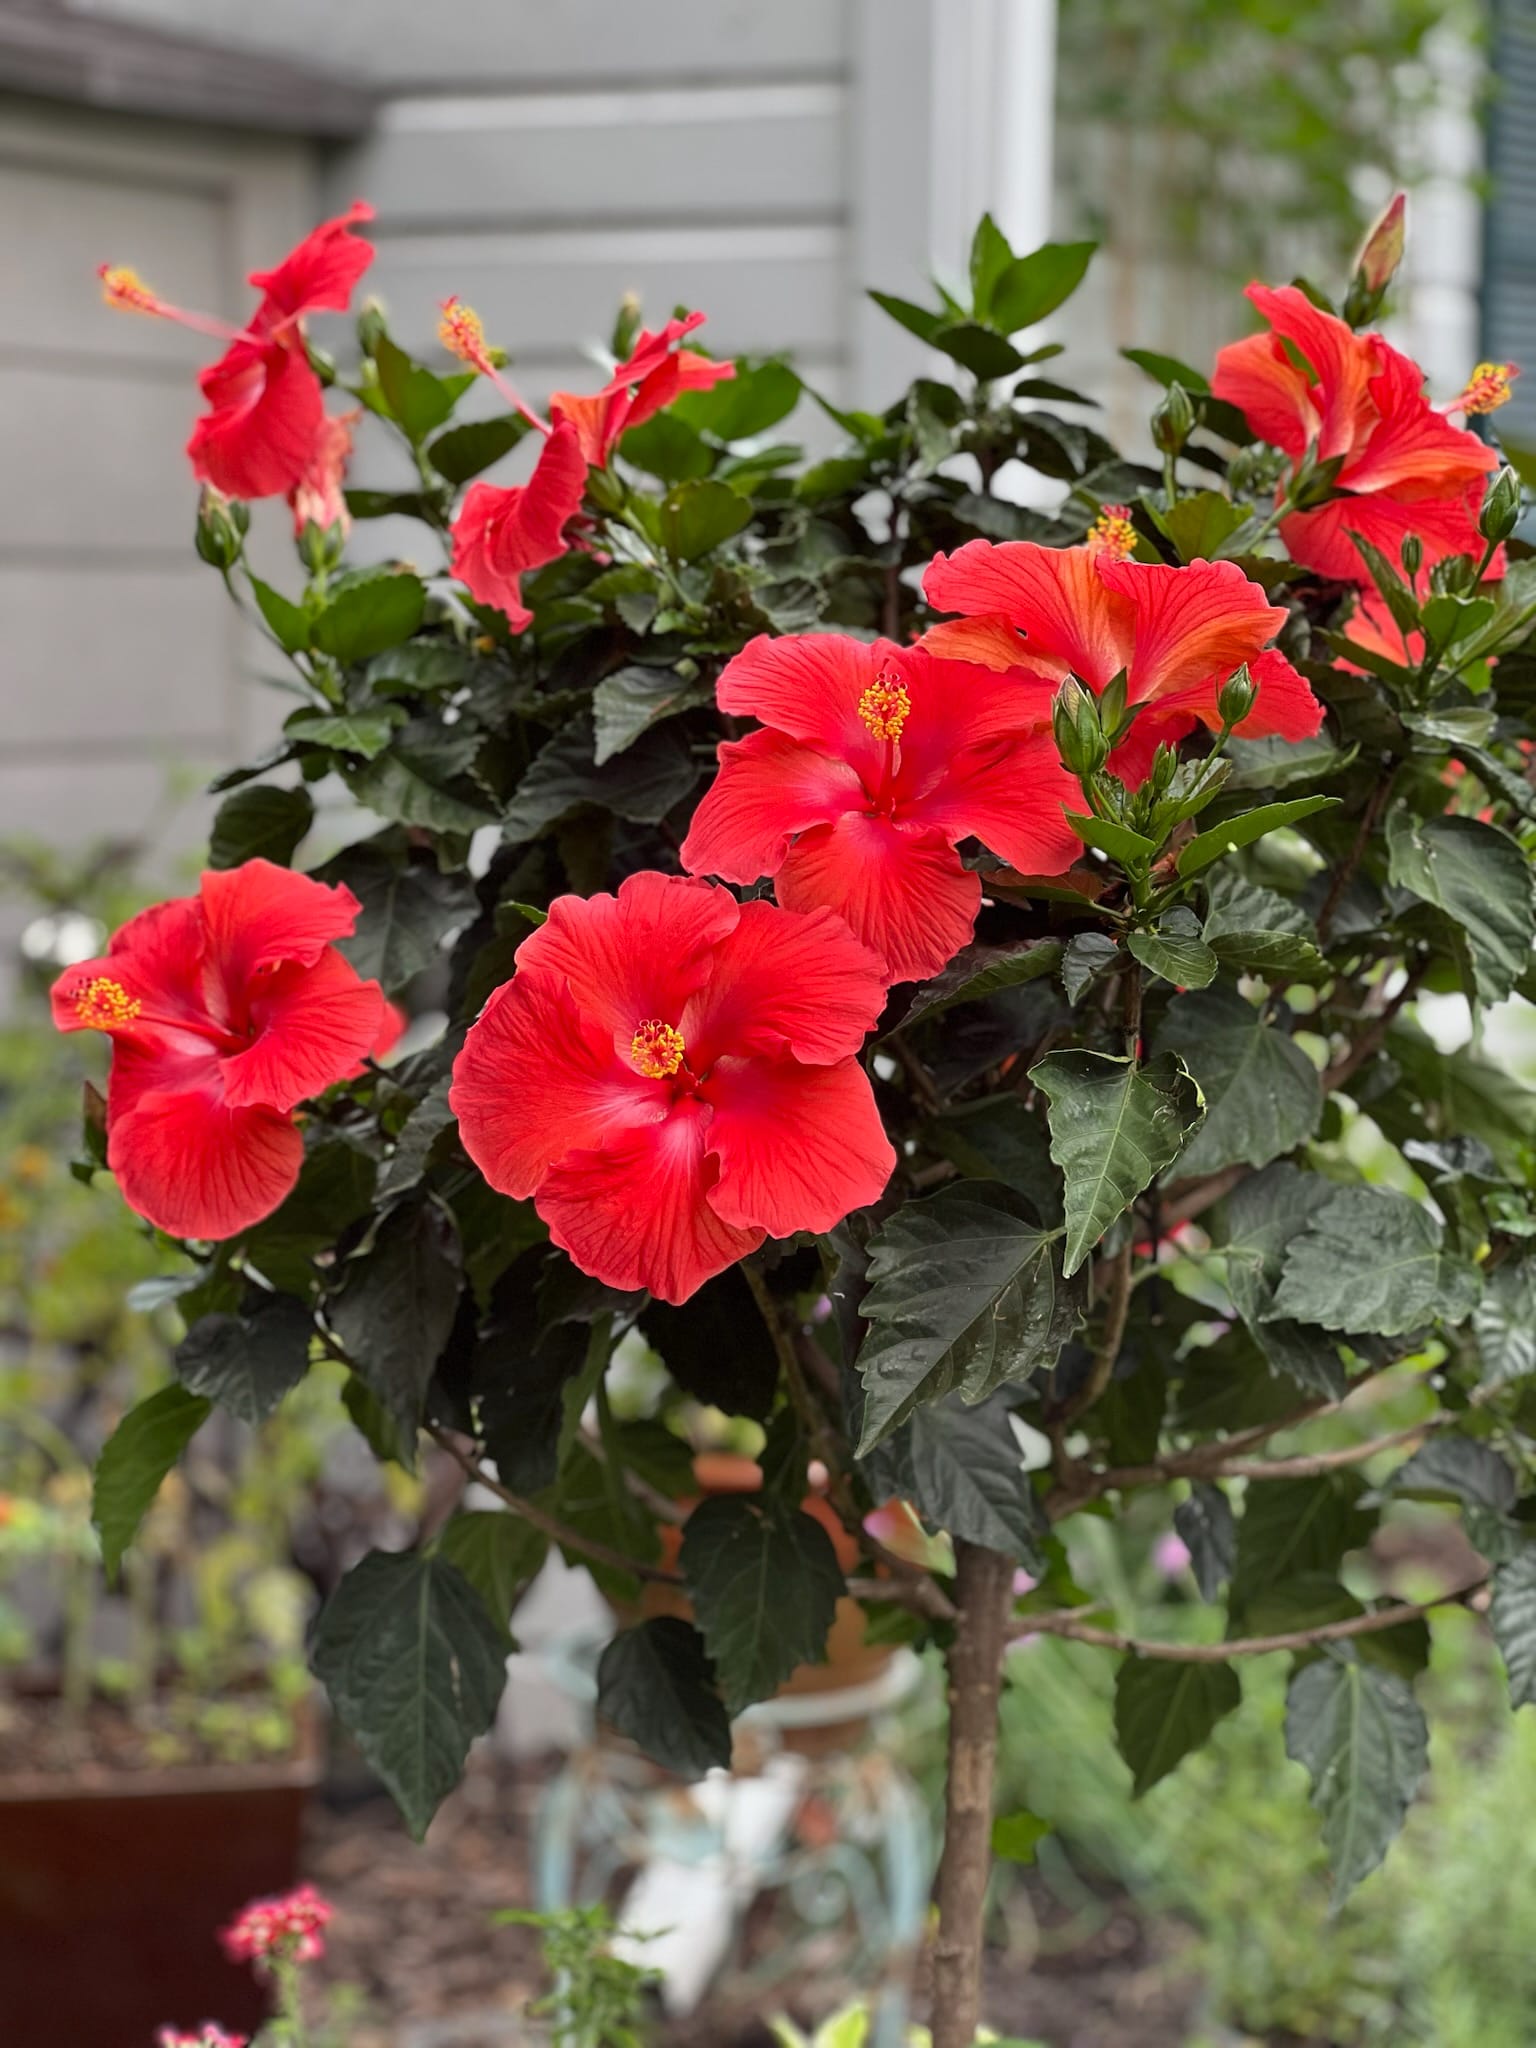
x=320, y=275
x=785, y=982
x=1052, y=595
x=1269, y=390
x=633, y=956
x=637, y=1213
x=313, y=1025
x=799, y=1147
x=499, y=534
x=194, y=1167
x=1194, y=625
x=1342, y=361
x=156, y=959
x=1412, y=444
x=904, y=894
x=1322, y=539
x=989, y=641
x=536, y=1080
x=769, y=788
x=1013, y=795
x=809, y=686
x=265, y=415
x=259, y=914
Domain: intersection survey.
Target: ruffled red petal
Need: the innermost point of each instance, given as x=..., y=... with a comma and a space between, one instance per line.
x=799, y=1147
x=156, y=958
x=265, y=417
x=1269, y=390
x=320, y=275
x=638, y=1214
x=1192, y=625
x=1321, y=539
x=1012, y=795
x=906, y=895
x=312, y=1025
x=783, y=982
x=809, y=686
x=769, y=787
x=195, y=1168
x=260, y=914
x=1054, y=596
x=502, y=533
x=536, y=1080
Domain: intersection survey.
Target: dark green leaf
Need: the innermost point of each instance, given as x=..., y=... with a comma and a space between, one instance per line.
x=1264, y=1212
x=353, y=732
x=965, y=1293
x=979, y=971
x=1262, y=1094
x=499, y=1554
x=533, y=1389
x=1176, y=951
x=696, y=517
x=1209, y=846
x=1292, y=1526
x=248, y=1362
x=716, y=1347
x=997, y=1138
x=741, y=407
x=1032, y=286
x=1458, y=1468
x=1209, y=1533
x=397, y=788
x=1200, y=525
x=396, y=1305
x=962, y=1470
x=1360, y=1734
x=641, y=784
x=667, y=447
x=1479, y=877
x=409, y=913
x=417, y=399
x=1087, y=956
x=1114, y=1126
x=135, y=1459
x=1371, y=1261
x=287, y=622
x=627, y=703
x=414, y=1667
x=464, y=451
x=1504, y=1323
x=977, y=349
x=916, y=319
x=990, y=257
x=1164, y=1710
x=655, y=1686
x=765, y=1586
x=260, y=822
x=1512, y=1615
x=366, y=617
x=1131, y=849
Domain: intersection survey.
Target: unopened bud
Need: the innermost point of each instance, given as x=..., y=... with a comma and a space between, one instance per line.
x=1080, y=738
x=1235, y=698
x=222, y=524
x=371, y=329
x=1411, y=554
x=1245, y=470
x=1174, y=420
x=1383, y=248
x=1501, y=507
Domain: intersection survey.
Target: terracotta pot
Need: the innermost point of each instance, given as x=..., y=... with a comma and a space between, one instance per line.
x=113, y=1886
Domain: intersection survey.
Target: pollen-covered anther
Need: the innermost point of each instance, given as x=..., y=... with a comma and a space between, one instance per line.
x=1488, y=388
x=460, y=332
x=103, y=1003
x=125, y=289
x=1113, y=534
x=657, y=1049
x=885, y=706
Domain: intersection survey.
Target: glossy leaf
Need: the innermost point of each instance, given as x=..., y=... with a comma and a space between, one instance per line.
x=1262, y=1093
x=133, y=1462
x=765, y=1585
x=1372, y=1261
x=655, y=1685
x=1361, y=1736
x=1164, y=1710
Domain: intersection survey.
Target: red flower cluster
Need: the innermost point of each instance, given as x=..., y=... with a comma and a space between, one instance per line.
x=208, y=2035
x=871, y=764
x=261, y=436
x=671, y=1075
x=1177, y=633
x=226, y=1010
x=1312, y=383
x=291, y=1928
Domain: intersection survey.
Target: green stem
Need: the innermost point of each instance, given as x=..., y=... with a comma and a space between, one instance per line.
x=290, y=2001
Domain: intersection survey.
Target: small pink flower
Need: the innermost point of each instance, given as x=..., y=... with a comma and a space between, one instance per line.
x=1171, y=1555
x=207, y=2036
x=289, y=1927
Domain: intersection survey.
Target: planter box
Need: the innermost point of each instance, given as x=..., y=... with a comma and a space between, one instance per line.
x=113, y=1887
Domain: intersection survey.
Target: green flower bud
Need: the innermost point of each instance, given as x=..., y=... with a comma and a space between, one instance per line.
x=1383, y=248
x=222, y=524
x=1235, y=699
x=1411, y=554
x=1501, y=506
x=1079, y=737
x=371, y=329
x=1174, y=420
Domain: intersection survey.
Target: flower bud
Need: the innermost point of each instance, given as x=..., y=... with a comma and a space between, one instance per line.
x=1174, y=420
x=1235, y=698
x=1411, y=554
x=1079, y=737
x=1383, y=248
x=371, y=329
x=222, y=524
x=1501, y=506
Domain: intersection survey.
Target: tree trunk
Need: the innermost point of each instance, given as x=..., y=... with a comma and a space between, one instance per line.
x=983, y=1595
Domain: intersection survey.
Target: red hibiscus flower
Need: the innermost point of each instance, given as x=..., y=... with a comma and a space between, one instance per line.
x=226, y=1009
x=656, y=372
x=1372, y=626
x=873, y=763
x=501, y=533
x=1178, y=634
x=1404, y=467
x=671, y=1076
x=265, y=412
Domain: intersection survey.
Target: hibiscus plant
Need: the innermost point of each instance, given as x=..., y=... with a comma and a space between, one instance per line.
x=941, y=971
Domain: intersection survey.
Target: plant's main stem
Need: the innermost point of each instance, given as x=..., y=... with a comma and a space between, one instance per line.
x=983, y=1596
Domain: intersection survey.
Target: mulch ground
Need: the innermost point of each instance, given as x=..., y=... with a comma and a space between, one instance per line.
x=414, y=1951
